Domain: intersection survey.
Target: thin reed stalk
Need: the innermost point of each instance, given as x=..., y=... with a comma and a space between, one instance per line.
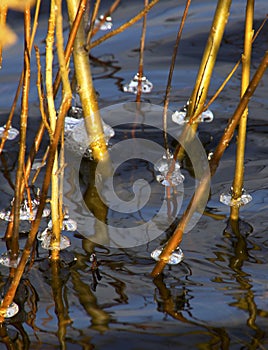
x=23, y=129
x=123, y=27
x=92, y=21
x=141, y=58
x=242, y=130
x=171, y=70
x=3, y=16
x=200, y=91
x=54, y=202
x=108, y=13
x=176, y=238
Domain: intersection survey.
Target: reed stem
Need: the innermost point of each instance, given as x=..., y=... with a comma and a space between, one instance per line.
x=200, y=91
x=86, y=89
x=141, y=59
x=23, y=129
x=242, y=130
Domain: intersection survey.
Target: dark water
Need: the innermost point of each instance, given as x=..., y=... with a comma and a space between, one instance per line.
x=217, y=297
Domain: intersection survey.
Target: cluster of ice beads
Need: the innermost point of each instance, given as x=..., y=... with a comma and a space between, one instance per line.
x=175, y=258
x=179, y=117
x=132, y=86
x=46, y=239
x=11, y=134
x=105, y=24
x=27, y=211
x=6, y=259
x=163, y=166
x=227, y=199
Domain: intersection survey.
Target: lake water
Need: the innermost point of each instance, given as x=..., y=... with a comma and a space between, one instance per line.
x=217, y=297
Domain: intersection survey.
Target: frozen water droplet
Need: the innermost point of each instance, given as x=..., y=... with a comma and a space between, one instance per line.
x=163, y=165
x=106, y=25
x=226, y=198
x=207, y=116
x=37, y=164
x=146, y=85
x=76, y=135
x=12, y=132
x=174, y=259
x=8, y=261
x=5, y=215
x=11, y=310
x=69, y=225
x=179, y=117
x=46, y=238
x=71, y=123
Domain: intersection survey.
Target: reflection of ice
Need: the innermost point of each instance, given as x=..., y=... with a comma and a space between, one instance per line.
x=226, y=198
x=146, y=85
x=27, y=211
x=47, y=242
x=174, y=259
x=11, y=310
x=6, y=259
x=178, y=117
x=12, y=132
x=163, y=165
x=106, y=25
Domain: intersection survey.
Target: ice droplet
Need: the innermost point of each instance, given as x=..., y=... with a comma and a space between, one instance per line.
x=46, y=237
x=11, y=310
x=7, y=260
x=106, y=25
x=163, y=165
x=146, y=85
x=175, y=258
x=12, y=132
x=178, y=117
x=76, y=137
x=226, y=198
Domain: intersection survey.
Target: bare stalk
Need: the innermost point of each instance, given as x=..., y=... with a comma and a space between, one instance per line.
x=123, y=26
x=3, y=16
x=56, y=227
x=171, y=70
x=86, y=89
x=142, y=44
x=23, y=127
x=108, y=13
x=242, y=130
x=199, y=94
x=92, y=21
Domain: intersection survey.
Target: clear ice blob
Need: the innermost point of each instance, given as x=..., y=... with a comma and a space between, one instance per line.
x=11, y=310
x=67, y=224
x=146, y=85
x=27, y=212
x=179, y=117
x=12, y=132
x=8, y=261
x=175, y=258
x=45, y=237
x=226, y=198
x=163, y=165
x=106, y=25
